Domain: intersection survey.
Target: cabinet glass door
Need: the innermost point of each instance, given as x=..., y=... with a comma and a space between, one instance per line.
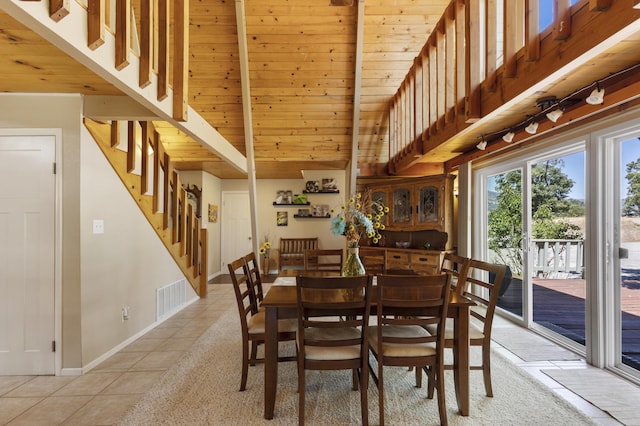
x=428, y=204
x=402, y=206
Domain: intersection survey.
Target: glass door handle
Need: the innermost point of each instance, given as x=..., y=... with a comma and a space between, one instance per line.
x=623, y=253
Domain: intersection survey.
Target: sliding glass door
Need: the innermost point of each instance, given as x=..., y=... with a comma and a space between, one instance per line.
x=534, y=224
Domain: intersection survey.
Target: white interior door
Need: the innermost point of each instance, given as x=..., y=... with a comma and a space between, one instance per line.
x=236, y=227
x=27, y=254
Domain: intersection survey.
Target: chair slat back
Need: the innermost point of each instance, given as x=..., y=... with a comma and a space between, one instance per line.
x=333, y=303
x=255, y=280
x=457, y=267
x=484, y=291
x=412, y=300
x=243, y=292
x=323, y=259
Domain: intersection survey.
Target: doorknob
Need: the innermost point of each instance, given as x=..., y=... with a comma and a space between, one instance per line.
x=623, y=253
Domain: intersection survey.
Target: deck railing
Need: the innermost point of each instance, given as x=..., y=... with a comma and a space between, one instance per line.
x=558, y=258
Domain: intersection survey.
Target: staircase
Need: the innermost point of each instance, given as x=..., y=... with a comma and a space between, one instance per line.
x=146, y=170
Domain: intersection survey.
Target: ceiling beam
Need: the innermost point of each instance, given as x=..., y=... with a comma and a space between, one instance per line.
x=355, y=133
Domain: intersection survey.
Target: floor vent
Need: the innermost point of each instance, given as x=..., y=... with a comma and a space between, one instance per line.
x=169, y=298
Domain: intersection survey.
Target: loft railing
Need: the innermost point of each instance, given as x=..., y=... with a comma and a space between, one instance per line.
x=142, y=31
x=136, y=154
x=470, y=66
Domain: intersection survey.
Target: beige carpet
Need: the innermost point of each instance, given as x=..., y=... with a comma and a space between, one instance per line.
x=202, y=389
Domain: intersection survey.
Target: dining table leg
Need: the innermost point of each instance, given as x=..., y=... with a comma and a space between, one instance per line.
x=461, y=359
x=270, y=360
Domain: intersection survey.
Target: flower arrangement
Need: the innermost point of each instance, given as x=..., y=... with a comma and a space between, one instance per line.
x=360, y=216
x=265, y=247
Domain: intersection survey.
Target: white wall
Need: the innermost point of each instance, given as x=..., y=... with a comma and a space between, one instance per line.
x=122, y=267
x=267, y=190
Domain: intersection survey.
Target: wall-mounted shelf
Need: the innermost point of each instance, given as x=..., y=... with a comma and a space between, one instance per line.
x=337, y=191
x=297, y=216
x=291, y=205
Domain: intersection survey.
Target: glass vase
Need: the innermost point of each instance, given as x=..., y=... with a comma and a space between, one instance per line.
x=353, y=266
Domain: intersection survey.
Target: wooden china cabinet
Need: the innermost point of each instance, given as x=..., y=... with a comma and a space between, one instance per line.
x=420, y=212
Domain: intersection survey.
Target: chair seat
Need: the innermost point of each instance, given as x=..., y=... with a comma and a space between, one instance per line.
x=326, y=353
x=256, y=324
x=402, y=350
x=475, y=332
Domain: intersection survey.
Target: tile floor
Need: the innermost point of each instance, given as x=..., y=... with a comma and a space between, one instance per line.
x=104, y=394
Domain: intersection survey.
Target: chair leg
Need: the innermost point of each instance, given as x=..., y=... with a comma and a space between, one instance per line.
x=254, y=352
x=301, y=385
x=355, y=379
x=418, y=377
x=431, y=380
x=486, y=369
x=245, y=365
x=381, y=392
x=364, y=401
x=442, y=405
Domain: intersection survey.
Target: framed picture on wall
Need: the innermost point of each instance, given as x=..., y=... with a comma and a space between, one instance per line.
x=213, y=213
x=329, y=185
x=282, y=218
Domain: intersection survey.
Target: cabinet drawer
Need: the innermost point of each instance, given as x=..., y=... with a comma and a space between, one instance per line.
x=424, y=259
x=397, y=257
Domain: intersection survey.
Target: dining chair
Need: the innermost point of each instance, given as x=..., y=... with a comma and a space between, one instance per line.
x=374, y=260
x=255, y=280
x=323, y=260
x=252, y=320
x=406, y=305
x=457, y=267
x=484, y=292
x=333, y=317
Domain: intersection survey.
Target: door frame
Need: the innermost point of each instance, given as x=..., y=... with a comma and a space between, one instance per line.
x=223, y=228
x=56, y=133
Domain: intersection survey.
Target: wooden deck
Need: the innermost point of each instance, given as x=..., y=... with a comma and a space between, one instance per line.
x=559, y=304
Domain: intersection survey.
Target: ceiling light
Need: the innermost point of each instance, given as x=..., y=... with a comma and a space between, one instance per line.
x=636, y=4
x=596, y=97
x=508, y=137
x=555, y=114
x=532, y=128
x=482, y=145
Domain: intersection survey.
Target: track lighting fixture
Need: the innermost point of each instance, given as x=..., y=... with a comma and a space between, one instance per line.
x=596, y=97
x=532, y=128
x=555, y=114
x=482, y=145
x=508, y=137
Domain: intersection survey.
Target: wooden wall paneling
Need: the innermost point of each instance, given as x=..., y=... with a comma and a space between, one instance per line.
x=180, y=59
x=95, y=24
x=532, y=34
x=562, y=19
x=146, y=36
x=58, y=9
x=163, y=49
x=144, y=157
x=123, y=33
x=473, y=64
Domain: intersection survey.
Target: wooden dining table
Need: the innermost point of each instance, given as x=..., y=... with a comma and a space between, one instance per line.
x=281, y=302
